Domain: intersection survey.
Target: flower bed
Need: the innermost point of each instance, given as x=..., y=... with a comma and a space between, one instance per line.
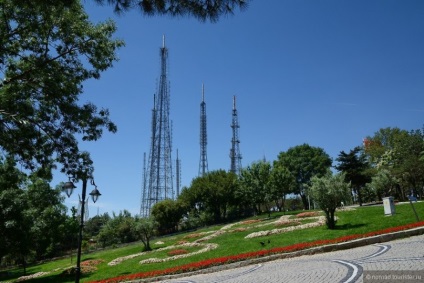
x=287, y=223
x=234, y=258
x=250, y=221
x=35, y=275
x=177, y=252
x=320, y=221
x=308, y=214
x=205, y=248
x=92, y=262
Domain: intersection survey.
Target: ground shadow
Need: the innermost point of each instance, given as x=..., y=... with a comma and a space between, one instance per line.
x=349, y=226
x=57, y=278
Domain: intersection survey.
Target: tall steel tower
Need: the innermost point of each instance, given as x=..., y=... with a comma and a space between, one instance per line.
x=235, y=155
x=178, y=169
x=203, y=164
x=159, y=172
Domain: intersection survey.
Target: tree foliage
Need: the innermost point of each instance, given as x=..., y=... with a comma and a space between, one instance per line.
x=48, y=49
x=167, y=213
x=328, y=192
x=145, y=228
x=254, y=184
x=211, y=196
x=200, y=9
x=399, y=152
x=33, y=220
x=356, y=169
x=281, y=183
x=304, y=162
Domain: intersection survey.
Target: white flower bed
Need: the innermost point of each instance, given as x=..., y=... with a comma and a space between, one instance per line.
x=207, y=247
x=35, y=275
x=320, y=221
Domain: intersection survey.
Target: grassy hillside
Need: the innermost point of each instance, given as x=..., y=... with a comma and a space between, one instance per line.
x=223, y=240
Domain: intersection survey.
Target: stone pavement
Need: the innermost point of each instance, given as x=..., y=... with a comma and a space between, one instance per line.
x=345, y=265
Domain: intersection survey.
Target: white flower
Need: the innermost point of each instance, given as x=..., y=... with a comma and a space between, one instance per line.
x=320, y=221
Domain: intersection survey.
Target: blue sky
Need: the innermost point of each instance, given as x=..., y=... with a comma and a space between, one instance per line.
x=327, y=73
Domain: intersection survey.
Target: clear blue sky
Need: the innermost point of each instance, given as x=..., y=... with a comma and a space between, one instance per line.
x=327, y=73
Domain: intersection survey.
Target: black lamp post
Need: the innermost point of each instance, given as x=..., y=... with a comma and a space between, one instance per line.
x=68, y=188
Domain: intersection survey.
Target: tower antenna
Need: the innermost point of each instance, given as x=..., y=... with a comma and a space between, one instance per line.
x=178, y=169
x=159, y=184
x=235, y=155
x=203, y=164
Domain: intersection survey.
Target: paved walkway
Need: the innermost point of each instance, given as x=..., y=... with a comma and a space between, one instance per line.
x=339, y=266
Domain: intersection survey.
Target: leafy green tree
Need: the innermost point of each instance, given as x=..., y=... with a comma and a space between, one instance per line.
x=328, y=192
x=399, y=152
x=211, y=196
x=168, y=214
x=356, y=169
x=409, y=168
x=200, y=9
x=254, y=185
x=123, y=223
x=304, y=162
x=33, y=220
x=145, y=228
x=47, y=212
x=48, y=49
x=282, y=183
x=384, y=184
x=93, y=225
x=14, y=224
x=107, y=236
x=118, y=230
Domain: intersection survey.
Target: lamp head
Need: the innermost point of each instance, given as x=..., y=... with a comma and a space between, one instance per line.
x=95, y=194
x=68, y=188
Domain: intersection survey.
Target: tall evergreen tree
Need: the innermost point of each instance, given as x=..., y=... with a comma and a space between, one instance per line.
x=201, y=9
x=355, y=167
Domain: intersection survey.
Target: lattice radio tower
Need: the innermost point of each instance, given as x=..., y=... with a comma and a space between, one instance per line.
x=178, y=169
x=203, y=164
x=235, y=155
x=159, y=183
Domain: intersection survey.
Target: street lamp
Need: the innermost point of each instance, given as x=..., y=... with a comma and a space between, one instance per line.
x=68, y=188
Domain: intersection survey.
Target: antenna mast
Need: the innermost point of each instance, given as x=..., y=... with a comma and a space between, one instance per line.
x=203, y=164
x=178, y=169
x=159, y=173
x=235, y=155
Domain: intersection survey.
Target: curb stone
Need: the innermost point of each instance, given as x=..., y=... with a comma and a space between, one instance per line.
x=315, y=250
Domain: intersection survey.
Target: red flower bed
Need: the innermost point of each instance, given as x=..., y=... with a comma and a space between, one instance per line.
x=92, y=262
x=287, y=223
x=228, y=259
x=307, y=214
x=177, y=252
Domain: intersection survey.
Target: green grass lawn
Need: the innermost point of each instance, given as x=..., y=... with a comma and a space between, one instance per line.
x=233, y=242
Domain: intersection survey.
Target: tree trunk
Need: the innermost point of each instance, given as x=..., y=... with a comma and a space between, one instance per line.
x=304, y=201
x=329, y=215
x=358, y=192
x=146, y=243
